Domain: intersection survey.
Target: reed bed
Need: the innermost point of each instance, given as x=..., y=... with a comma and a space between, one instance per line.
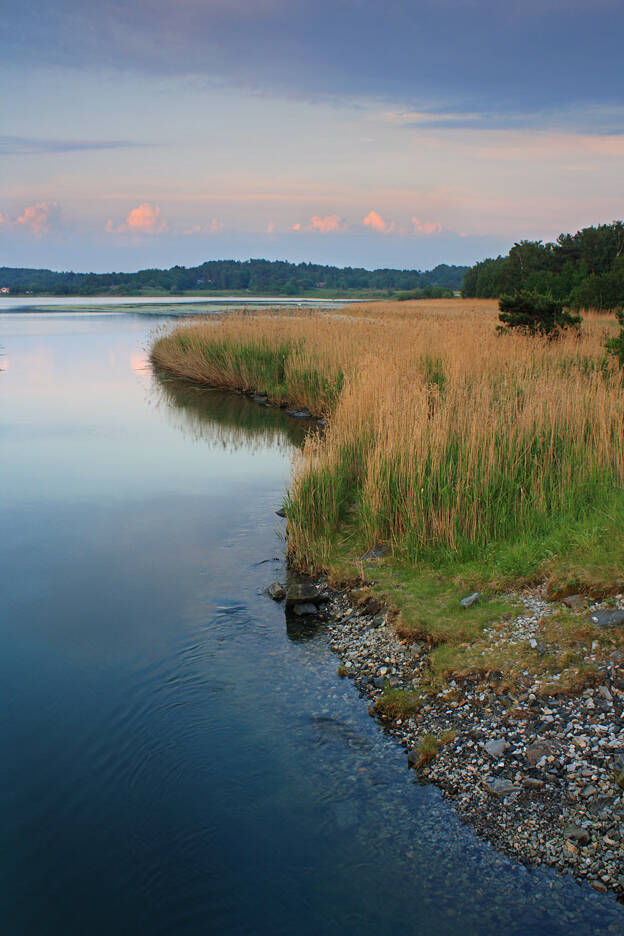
x=442, y=438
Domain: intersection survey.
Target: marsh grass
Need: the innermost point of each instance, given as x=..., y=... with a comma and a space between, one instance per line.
x=479, y=460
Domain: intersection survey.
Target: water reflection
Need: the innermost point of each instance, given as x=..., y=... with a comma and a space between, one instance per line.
x=224, y=419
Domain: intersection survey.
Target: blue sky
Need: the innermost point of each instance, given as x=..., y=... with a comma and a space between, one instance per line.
x=156, y=132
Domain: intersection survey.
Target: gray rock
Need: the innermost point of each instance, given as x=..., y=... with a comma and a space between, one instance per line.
x=379, y=682
x=379, y=620
x=575, y=601
x=539, y=749
x=281, y=512
x=302, y=592
x=496, y=747
x=496, y=786
x=610, y=618
x=276, y=591
x=470, y=600
x=604, y=692
x=306, y=607
x=577, y=835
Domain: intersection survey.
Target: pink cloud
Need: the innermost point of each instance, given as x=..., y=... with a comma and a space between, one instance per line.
x=296, y=227
x=39, y=219
x=210, y=228
x=329, y=223
x=270, y=227
x=377, y=223
x=144, y=219
x=426, y=227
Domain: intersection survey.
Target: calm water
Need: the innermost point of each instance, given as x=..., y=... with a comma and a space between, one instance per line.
x=173, y=760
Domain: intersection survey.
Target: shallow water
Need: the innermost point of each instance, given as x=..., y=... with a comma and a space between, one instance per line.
x=174, y=760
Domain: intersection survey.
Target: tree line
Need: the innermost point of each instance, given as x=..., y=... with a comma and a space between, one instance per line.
x=269, y=277
x=583, y=270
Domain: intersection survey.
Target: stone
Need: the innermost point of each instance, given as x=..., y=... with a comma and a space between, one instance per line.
x=302, y=592
x=496, y=786
x=604, y=692
x=496, y=747
x=281, y=512
x=470, y=600
x=537, y=750
x=306, y=607
x=532, y=783
x=610, y=618
x=575, y=601
x=378, y=682
x=276, y=591
x=577, y=835
x=413, y=757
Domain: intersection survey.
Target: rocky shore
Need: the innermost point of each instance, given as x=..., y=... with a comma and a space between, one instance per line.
x=540, y=778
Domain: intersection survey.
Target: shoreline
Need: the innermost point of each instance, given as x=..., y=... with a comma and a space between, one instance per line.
x=533, y=777
x=547, y=789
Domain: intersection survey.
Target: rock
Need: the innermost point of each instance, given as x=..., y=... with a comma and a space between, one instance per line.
x=532, y=783
x=303, y=413
x=306, y=607
x=470, y=600
x=577, y=835
x=281, y=512
x=610, y=618
x=379, y=620
x=496, y=786
x=302, y=592
x=496, y=747
x=539, y=749
x=575, y=601
x=276, y=591
x=604, y=692
x=378, y=682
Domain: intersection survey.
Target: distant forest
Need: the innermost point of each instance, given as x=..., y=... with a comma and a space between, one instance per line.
x=234, y=276
x=585, y=270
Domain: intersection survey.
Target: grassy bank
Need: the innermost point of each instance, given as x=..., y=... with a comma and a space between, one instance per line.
x=478, y=461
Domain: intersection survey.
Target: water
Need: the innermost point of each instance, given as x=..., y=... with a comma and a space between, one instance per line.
x=173, y=759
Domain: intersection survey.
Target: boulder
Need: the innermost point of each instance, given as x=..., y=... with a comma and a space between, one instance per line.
x=302, y=593
x=276, y=591
x=609, y=618
x=306, y=607
x=470, y=600
x=577, y=835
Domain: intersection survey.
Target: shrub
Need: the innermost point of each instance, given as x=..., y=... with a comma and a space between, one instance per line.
x=615, y=346
x=535, y=313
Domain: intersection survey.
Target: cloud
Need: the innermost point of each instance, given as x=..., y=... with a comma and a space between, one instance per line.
x=270, y=228
x=329, y=223
x=426, y=227
x=374, y=221
x=497, y=56
x=16, y=145
x=38, y=219
x=212, y=227
x=144, y=219
x=296, y=227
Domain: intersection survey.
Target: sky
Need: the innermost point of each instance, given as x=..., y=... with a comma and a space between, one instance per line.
x=352, y=132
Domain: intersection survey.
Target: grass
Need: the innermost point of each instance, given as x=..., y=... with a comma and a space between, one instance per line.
x=479, y=461
x=397, y=703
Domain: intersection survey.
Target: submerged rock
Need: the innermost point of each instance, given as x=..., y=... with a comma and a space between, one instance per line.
x=496, y=747
x=304, y=608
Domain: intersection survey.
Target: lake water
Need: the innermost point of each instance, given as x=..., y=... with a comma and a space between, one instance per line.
x=173, y=759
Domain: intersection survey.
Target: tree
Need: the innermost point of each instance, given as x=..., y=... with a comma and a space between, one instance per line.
x=535, y=314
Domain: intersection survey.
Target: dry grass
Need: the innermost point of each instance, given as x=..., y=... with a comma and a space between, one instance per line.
x=442, y=434
x=489, y=459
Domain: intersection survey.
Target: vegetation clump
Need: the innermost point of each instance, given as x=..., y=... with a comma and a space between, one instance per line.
x=397, y=703
x=535, y=314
